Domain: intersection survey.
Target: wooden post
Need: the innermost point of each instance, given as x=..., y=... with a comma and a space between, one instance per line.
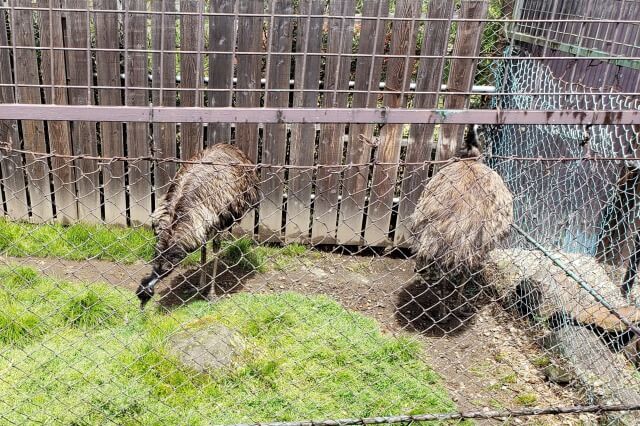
x=368, y=70
x=54, y=73
x=275, y=135
x=462, y=71
x=140, y=190
x=83, y=133
x=403, y=42
x=249, y=72
x=222, y=37
x=303, y=136
x=191, y=73
x=164, y=79
x=420, y=146
x=111, y=134
x=12, y=174
x=336, y=78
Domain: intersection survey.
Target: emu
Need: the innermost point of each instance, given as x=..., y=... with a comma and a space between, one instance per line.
x=201, y=202
x=463, y=212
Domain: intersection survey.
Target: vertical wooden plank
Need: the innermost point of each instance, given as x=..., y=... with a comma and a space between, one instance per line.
x=11, y=164
x=429, y=79
x=550, y=9
x=275, y=135
x=628, y=42
x=137, y=133
x=222, y=39
x=111, y=135
x=191, y=72
x=368, y=73
x=622, y=40
x=579, y=10
x=336, y=77
x=403, y=40
x=303, y=136
x=462, y=71
x=580, y=30
x=164, y=78
x=54, y=73
x=593, y=31
x=569, y=8
x=83, y=133
x=249, y=71
x=541, y=10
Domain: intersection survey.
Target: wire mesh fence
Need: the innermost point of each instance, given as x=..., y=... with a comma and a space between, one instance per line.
x=326, y=257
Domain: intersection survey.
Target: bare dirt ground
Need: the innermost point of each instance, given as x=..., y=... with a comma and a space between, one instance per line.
x=487, y=360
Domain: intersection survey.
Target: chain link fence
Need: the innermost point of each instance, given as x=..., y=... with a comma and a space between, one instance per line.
x=311, y=306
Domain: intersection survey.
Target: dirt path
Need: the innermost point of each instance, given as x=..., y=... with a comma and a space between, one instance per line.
x=486, y=361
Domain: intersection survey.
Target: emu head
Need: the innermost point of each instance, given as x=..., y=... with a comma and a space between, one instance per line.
x=146, y=289
x=473, y=142
x=163, y=264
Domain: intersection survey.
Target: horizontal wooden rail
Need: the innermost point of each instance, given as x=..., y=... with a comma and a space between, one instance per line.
x=311, y=115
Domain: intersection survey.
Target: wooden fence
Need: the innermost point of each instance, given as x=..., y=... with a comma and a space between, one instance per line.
x=584, y=29
x=226, y=53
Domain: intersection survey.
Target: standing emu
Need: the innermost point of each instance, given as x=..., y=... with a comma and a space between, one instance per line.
x=463, y=212
x=202, y=201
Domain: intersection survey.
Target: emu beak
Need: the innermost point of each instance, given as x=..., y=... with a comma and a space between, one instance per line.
x=144, y=296
x=145, y=292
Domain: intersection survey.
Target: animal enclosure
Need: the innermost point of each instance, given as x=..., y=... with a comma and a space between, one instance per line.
x=345, y=109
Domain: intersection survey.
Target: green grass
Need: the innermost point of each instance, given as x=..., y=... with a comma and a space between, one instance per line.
x=91, y=308
x=128, y=245
x=243, y=253
x=78, y=354
x=17, y=324
x=526, y=399
x=76, y=242
x=541, y=361
x=282, y=258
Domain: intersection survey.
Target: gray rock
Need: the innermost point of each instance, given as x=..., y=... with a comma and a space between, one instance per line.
x=207, y=349
x=557, y=374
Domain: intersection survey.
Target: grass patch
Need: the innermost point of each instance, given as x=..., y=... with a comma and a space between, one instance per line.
x=283, y=258
x=504, y=380
x=243, y=253
x=17, y=324
x=500, y=356
x=128, y=245
x=541, y=361
x=93, y=307
x=76, y=242
x=509, y=379
x=78, y=354
x=526, y=399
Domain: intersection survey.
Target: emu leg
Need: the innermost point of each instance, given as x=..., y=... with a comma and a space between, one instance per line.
x=214, y=272
x=632, y=270
x=203, y=266
x=209, y=270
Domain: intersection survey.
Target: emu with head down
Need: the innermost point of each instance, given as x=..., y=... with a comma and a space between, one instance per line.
x=463, y=212
x=209, y=194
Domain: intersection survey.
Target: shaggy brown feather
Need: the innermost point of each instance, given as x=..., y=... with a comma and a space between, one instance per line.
x=201, y=201
x=464, y=210
x=205, y=198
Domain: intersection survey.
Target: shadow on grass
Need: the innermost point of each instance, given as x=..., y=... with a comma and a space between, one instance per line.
x=185, y=288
